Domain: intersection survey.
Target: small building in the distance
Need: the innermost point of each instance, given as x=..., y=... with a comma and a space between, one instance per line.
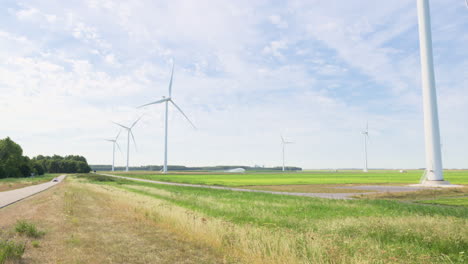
x=236, y=170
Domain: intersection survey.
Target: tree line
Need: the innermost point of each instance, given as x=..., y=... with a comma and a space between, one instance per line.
x=14, y=164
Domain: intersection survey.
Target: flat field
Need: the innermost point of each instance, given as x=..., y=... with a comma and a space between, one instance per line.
x=265, y=228
x=298, y=178
x=98, y=219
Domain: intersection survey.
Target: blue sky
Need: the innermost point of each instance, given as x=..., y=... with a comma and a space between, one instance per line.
x=245, y=72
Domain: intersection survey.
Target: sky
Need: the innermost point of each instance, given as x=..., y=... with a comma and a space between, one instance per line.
x=246, y=72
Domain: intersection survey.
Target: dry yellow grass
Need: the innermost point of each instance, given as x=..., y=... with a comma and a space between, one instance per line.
x=96, y=223
x=88, y=225
x=7, y=186
x=337, y=241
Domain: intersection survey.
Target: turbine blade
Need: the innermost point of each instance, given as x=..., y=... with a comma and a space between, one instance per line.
x=170, y=82
x=282, y=139
x=134, y=141
x=120, y=125
x=155, y=102
x=118, y=135
x=134, y=123
x=118, y=146
x=182, y=112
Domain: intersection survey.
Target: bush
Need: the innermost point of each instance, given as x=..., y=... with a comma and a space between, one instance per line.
x=10, y=250
x=28, y=229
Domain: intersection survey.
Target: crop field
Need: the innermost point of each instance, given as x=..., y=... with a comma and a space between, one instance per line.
x=265, y=228
x=298, y=178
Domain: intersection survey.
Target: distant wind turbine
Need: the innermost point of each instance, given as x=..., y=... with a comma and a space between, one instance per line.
x=168, y=100
x=366, y=137
x=283, y=143
x=129, y=133
x=114, y=143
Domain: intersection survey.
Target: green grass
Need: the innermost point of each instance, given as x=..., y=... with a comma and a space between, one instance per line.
x=308, y=177
x=409, y=233
x=47, y=176
x=458, y=201
x=23, y=227
x=10, y=250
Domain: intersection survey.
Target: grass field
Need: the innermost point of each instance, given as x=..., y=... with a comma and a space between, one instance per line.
x=265, y=228
x=15, y=183
x=459, y=201
x=97, y=219
x=86, y=223
x=308, y=177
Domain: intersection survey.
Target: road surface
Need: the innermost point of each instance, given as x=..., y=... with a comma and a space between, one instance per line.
x=13, y=196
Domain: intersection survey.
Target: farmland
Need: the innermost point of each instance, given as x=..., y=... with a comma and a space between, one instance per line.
x=265, y=228
x=307, y=177
x=167, y=224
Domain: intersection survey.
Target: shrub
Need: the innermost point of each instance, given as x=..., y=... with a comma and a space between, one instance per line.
x=10, y=250
x=28, y=229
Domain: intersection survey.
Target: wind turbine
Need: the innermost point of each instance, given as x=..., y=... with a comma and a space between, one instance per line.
x=168, y=100
x=114, y=143
x=434, y=169
x=366, y=137
x=129, y=133
x=283, y=143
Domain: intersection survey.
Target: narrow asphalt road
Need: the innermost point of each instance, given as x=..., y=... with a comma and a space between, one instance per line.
x=13, y=196
x=319, y=195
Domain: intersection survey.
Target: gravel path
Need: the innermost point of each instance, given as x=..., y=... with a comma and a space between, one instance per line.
x=13, y=196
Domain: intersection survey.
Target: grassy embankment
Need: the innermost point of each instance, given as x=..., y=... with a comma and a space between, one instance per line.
x=88, y=223
x=264, y=228
x=298, y=178
x=7, y=184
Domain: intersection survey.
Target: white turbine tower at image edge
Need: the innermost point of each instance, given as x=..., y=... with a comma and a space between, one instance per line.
x=283, y=144
x=114, y=143
x=433, y=173
x=365, y=133
x=129, y=133
x=168, y=100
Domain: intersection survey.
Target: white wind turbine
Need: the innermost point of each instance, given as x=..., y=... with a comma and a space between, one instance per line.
x=366, y=137
x=129, y=133
x=114, y=143
x=283, y=143
x=168, y=100
x=434, y=170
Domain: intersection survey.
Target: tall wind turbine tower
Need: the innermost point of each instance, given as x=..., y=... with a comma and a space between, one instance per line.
x=433, y=173
x=129, y=133
x=168, y=100
x=284, y=143
x=114, y=143
x=366, y=137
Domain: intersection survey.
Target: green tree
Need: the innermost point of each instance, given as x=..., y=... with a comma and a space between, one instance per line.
x=11, y=158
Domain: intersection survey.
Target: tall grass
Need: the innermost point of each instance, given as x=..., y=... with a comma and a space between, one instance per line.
x=10, y=250
x=264, y=228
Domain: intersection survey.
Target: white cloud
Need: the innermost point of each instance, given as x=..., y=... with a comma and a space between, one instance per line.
x=71, y=68
x=278, y=21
